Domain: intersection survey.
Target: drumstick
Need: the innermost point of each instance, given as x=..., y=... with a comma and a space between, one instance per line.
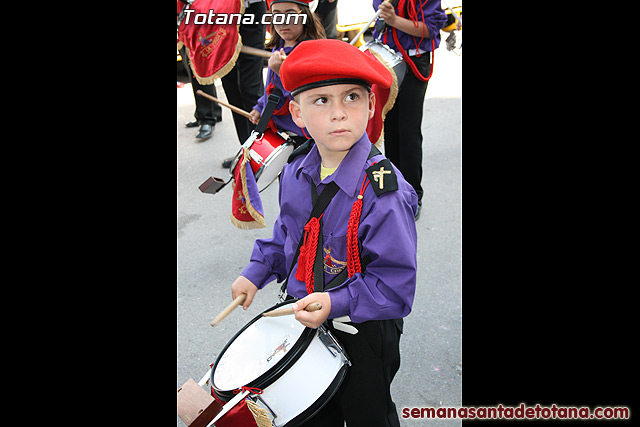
x=363, y=29
x=455, y=15
x=231, y=107
x=258, y=52
x=224, y=313
x=254, y=51
x=314, y=306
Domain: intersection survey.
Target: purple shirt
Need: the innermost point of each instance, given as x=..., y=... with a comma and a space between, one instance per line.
x=434, y=19
x=387, y=233
x=283, y=122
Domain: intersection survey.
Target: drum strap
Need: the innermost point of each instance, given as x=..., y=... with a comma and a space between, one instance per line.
x=274, y=98
x=320, y=203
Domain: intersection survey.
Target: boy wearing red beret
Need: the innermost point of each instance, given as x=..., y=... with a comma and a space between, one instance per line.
x=364, y=242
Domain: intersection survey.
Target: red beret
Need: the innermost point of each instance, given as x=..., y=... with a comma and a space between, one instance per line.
x=324, y=62
x=300, y=2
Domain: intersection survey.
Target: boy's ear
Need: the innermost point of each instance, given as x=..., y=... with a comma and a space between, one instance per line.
x=372, y=104
x=294, y=109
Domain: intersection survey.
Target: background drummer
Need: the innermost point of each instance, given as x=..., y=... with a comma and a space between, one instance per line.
x=413, y=30
x=284, y=38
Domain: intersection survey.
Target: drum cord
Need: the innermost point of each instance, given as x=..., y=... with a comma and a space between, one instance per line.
x=394, y=34
x=410, y=62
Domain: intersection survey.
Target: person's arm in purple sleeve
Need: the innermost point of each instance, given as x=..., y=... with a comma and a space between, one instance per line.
x=434, y=19
x=260, y=104
x=267, y=263
x=256, y=110
x=268, y=260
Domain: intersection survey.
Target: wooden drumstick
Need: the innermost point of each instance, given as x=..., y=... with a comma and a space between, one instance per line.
x=455, y=15
x=224, y=313
x=314, y=306
x=366, y=26
x=258, y=52
x=231, y=107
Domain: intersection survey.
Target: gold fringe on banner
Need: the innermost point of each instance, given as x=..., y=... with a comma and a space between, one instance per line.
x=258, y=218
x=260, y=414
x=222, y=71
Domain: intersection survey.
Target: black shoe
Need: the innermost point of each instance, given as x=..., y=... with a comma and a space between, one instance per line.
x=226, y=163
x=205, y=131
x=193, y=124
x=417, y=216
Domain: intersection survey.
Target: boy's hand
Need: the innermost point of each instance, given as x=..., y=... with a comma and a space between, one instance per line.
x=242, y=285
x=255, y=117
x=275, y=62
x=315, y=318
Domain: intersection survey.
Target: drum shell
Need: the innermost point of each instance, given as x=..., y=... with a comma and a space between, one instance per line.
x=298, y=382
x=265, y=152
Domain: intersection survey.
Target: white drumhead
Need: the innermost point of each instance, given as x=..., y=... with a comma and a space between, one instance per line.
x=273, y=165
x=256, y=350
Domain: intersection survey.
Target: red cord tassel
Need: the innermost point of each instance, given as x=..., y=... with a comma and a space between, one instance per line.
x=304, y=272
x=353, y=251
x=413, y=16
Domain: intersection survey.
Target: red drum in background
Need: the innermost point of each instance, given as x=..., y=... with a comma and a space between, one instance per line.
x=268, y=154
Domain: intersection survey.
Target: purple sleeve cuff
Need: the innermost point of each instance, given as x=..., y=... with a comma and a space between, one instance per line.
x=339, y=302
x=259, y=274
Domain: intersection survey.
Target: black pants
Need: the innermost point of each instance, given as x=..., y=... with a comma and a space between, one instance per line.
x=207, y=111
x=244, y=84
x=364, y=398
x=402, y=133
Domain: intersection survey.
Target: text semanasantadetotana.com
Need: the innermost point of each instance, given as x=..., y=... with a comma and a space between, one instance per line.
x=522, y=412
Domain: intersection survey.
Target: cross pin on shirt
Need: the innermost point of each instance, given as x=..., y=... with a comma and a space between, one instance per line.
x=378, y=176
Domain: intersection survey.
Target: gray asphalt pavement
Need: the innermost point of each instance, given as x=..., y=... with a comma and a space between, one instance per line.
x=212, y=251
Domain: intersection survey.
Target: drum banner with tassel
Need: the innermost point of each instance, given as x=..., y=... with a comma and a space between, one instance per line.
x=246, y=205
x=245, y=414
x=213, y=48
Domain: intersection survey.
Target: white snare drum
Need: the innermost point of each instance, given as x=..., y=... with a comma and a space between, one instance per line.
x=299, y=369
x=391, y=59
x=269, y=154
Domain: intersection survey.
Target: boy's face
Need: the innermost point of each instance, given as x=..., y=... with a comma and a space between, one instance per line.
x=336, y=116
